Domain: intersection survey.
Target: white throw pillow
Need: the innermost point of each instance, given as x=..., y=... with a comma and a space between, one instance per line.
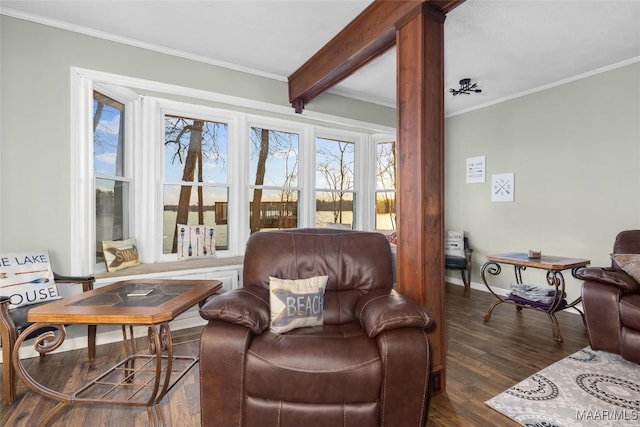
x=120, y=254
x=296, y=303
x=454, y=244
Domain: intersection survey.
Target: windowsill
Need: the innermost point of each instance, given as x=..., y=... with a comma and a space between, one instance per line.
x=166, y=267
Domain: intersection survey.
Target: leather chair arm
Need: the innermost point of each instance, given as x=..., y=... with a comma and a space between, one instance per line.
x=386, y=309
x=609, y=276
x=247, y=306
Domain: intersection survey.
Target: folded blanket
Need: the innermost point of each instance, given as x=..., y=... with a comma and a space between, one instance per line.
x=534, y=293
x=532, y=289
x=542, y=306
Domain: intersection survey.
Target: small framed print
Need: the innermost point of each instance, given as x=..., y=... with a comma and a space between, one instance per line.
x=502, y=187
x=475, y=169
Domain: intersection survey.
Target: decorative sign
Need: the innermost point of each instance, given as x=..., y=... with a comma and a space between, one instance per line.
x=475, y=169
x=26, y=278
x=502, y=187
x=196, y=241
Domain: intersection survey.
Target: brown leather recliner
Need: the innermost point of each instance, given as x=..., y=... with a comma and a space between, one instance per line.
x=611, y=301
x=367, y=365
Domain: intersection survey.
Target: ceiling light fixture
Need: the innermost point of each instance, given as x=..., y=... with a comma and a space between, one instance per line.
x=466, y=87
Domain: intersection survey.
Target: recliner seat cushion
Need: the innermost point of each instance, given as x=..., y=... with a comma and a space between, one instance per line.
x=266, y=412
x=323, y=364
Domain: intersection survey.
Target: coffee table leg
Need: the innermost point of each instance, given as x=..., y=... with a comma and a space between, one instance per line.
x=44, y=343
x=160, y=340
x=155, y=416
x=129, y=344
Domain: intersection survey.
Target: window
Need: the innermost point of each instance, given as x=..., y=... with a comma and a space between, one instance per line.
x=335, y=163
x=149, y=162
x=195, y=186
x=273, y=179
x=385, y=186
x=112, y=183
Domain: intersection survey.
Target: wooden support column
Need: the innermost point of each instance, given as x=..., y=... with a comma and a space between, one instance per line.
x=418, y=27
x=420, y=172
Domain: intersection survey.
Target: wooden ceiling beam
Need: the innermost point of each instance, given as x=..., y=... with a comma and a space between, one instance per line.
x=368, y=36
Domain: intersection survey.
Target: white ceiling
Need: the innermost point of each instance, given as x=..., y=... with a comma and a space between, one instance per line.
x=510, y=47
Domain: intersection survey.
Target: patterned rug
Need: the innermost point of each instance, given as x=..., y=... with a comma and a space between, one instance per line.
x=588, y=388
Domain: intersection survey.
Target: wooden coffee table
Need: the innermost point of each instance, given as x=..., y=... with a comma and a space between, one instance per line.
x=138, y=379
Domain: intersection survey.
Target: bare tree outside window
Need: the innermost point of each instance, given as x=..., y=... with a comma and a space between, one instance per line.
x=274, y=173
x=335, y=162
x=386, y=186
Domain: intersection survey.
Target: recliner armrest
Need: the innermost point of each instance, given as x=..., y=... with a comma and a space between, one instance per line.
x=248, y=307
x=609, y=276
x=386, y=309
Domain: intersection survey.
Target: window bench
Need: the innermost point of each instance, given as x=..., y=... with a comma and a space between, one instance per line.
x=179, y=269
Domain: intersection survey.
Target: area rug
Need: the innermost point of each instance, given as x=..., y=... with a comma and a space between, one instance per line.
x=588, y=388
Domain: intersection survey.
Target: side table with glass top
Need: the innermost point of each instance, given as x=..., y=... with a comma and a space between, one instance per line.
x=138, y=379
x=554, y=266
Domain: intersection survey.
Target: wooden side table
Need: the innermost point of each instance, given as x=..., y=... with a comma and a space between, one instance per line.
x=139, y=379
x=554, y=265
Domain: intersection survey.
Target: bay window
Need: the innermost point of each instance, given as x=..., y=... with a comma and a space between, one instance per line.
x=147, y=163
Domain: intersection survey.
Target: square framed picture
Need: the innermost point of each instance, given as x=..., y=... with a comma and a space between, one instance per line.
x=502, y=187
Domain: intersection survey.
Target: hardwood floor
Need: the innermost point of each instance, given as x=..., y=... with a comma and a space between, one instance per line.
x=486, y=358
x=483, y=359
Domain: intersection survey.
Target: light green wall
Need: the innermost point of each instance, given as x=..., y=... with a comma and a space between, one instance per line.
x=35, y=157
x=575, y=153
x=574, y=149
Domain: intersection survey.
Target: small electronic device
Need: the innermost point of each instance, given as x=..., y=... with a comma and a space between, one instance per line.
x=140, y=293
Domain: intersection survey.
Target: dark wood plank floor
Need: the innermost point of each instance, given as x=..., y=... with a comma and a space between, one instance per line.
x=483, y=359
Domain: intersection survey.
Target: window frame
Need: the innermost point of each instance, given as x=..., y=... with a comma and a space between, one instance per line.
x=361, y=143
x=272, y=124
x=164, y=107
x=380, y=139
x=83, y=179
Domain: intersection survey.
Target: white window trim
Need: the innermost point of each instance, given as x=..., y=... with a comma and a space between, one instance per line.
x=82, y=182
x=375, y=139
x=82, y=179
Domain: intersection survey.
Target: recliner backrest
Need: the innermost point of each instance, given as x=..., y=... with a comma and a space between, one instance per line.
x=627, y=242
x=356, y=262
